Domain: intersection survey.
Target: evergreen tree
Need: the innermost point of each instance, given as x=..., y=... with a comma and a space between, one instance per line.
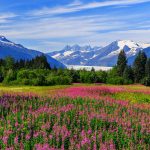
x=139, y=66
x=92, y=70
x=147, y=68
x=1, y=62
x=74, y=74
x=121, y=63
x=40, y=62
x=128, y=75
x=146, y=80
x=9, y=62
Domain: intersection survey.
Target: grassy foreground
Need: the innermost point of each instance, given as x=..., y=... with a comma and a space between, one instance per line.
x=42, y=90
x=134, y=93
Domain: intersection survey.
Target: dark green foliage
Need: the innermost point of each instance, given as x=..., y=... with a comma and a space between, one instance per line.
x=58, y=80
x=139, y=67
x=147, y=68
x=75, y=75
x=121, y=63
x=37, y=72
x=113, y=77
x=101, y=76
x=40, y=62
x=10, y=76
x=41, y=77
x=116, y=80
x=1, y=62
x=1, y=76
x=146, y=81
x=128, y=75
x=9, y=62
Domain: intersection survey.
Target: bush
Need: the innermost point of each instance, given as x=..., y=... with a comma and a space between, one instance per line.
x=58, y=80
x=66, y=80
x=23, y=74
x=115, y=80
x=35, y=82
x=25, y=81
x=146, y=81
x=126, y=81
x=11, y=76
x=1, y=77
x=50, y=80
x=101, y=76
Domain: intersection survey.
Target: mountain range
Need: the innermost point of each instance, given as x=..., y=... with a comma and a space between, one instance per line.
x=100, y=56
x=8, y=48
x=77, y=55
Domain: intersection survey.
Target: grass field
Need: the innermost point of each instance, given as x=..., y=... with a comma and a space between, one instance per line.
x=134, y=93
x=80, y=116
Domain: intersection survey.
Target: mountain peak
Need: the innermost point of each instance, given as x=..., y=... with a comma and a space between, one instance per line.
x=17, y=51
x=126, y=43
x=106, y=56
x=76, y=47
x=3, y=38
x=67, y=47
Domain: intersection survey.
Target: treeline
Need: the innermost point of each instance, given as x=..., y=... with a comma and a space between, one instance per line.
x=38, y=72
x=39, y=62
x=139, y=72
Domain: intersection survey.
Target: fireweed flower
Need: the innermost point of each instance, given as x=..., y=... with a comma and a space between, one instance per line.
x=74, y=118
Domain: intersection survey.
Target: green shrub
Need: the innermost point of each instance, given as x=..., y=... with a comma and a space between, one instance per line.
x=1, y=77
x=23, y=74
x=127, y=81
x=66, y=80
x=25, y=81
x=101, y=76
x=115, y=80
x=11, y=76
x=146, y=81
x=50, y=80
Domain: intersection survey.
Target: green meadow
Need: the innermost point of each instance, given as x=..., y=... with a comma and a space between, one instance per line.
x=133, y=93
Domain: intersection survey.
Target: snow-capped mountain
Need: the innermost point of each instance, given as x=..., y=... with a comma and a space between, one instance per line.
x=75, y=55
x=100, y=56
x=109, y=54
x=8, y=48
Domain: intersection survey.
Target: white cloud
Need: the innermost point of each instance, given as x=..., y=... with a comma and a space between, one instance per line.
x=75, y=3
x=7, y=15
x=90, y=29
x=78, y=6
x=60, y=27
x=4, y=18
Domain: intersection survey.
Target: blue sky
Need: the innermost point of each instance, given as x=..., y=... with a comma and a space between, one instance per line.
x=49, y=25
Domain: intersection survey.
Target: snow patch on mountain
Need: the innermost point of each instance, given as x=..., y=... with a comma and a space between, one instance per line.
x=98, y=56
x=75, y=54
x=8, y=48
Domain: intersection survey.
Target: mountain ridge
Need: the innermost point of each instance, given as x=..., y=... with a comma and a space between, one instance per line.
x=8, y=48
x=99, y=56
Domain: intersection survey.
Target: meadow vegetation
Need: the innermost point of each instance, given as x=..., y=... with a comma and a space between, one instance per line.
x=76, y=117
